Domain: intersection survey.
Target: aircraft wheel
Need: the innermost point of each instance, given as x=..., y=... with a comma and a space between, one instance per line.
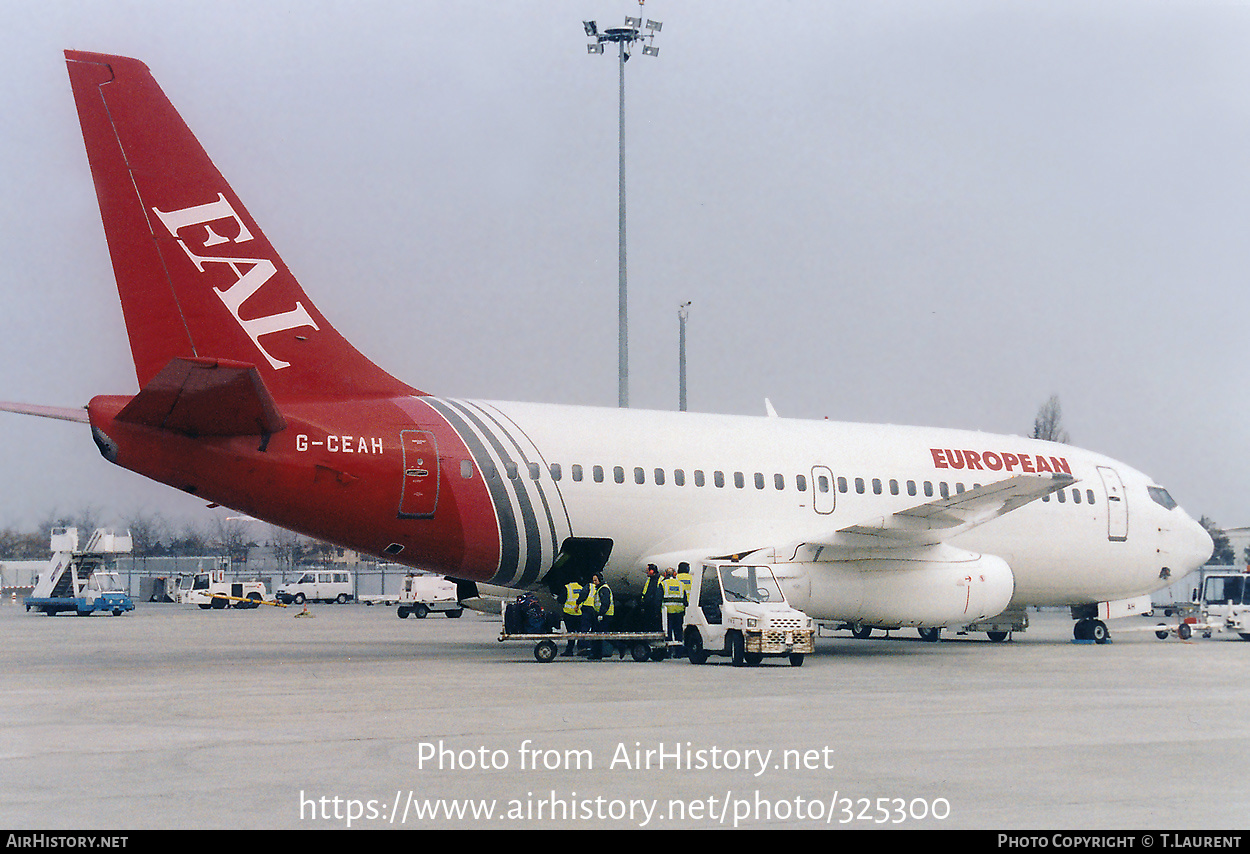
x=796, y=659
x=545, y=651
x=860, y=632
x=1098, y=632
x=930, y=635
x=997, y=637
x=454, y=613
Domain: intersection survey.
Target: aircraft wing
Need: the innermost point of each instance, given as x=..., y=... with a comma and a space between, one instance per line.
x=938, y=521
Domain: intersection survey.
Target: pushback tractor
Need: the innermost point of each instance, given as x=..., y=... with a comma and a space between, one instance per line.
x=739, y=611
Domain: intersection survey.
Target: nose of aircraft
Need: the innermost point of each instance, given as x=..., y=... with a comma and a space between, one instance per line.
x=1195, y=546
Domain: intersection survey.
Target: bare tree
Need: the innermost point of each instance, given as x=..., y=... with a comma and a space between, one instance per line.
x=1222, y=554
x=147, y=533
x=1048, y=424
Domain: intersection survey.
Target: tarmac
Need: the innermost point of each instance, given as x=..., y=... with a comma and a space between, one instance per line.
x=177, y=718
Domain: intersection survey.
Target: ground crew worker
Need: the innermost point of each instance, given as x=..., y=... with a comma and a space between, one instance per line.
x=675, y=601
x=605, y=612
x=683, y=575
x=652, y=601
x=574, y=595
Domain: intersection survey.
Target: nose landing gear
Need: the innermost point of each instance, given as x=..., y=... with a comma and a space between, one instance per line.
x=1091, y=630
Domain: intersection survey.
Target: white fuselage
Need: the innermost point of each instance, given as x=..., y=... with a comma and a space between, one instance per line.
x=668, y=485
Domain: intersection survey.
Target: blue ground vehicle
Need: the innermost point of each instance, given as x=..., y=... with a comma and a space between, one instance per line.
x=82, y=581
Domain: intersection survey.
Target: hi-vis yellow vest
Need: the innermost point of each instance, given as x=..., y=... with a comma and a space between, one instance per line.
x=674, y=596
x=573, y=599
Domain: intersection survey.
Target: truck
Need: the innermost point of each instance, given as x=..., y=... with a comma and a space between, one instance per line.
x=738, y=610
x=1225, y=603
x=319, y=585
x=82, y=580
x=215, y=589
x=422, y=594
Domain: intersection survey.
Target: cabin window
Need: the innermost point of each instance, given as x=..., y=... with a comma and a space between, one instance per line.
x=928, y=489
x=659, y=477
x=598, y=473
x=842, y=487
x=759, y=480
x=911, y=487
x=577, y=472
x=739, y=480
x=800, y=483
x=876, y=486
x=466, y=469
x=779, y=482
x=1089, y=495
x=618, y=474
x=893, y=486
x=718, y=478
x=488, y=471
x=679, y=477
x=959, y=487
x=1062, y=495
x=555, y=471
x=822, y=483
x=640, y=476
x=533, y=471
x=944, y=490
x=1076, y=496
x=699, y=480
x=512, y=470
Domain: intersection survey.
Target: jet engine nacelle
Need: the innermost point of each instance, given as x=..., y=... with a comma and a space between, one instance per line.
x=951, y=588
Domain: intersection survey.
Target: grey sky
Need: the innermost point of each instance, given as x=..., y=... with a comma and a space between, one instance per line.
x=907, y=212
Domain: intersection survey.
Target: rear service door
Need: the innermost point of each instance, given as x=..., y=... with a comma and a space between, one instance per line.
x=420, y=495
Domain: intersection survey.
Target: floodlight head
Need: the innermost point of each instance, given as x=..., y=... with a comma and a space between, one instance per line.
x=594, y=47
x=654, y=26
x=648, y=50
x=636, y=23
x=592, y=29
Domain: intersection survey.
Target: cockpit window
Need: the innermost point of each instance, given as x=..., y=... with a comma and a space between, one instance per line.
x=1161, y=497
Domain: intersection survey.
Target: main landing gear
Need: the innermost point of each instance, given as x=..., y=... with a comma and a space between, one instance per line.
x=1091, y=630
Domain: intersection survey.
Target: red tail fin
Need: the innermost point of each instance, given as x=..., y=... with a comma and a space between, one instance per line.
x=197, y=277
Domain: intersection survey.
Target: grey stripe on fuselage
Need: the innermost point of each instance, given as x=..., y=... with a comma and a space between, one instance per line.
x=533, y=544
x=524, y=480
x=509, y=544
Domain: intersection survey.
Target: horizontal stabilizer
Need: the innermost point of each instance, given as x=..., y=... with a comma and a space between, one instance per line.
x=63, y=413
x=206, y=397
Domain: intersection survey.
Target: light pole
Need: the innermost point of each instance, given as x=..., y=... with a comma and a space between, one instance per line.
x=624, y=38
x=683, y=312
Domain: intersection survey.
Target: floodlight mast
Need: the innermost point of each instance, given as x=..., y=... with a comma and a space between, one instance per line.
x=683, y=312
x=624, y=38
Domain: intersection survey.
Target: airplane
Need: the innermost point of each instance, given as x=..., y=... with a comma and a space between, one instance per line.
x=250, y=399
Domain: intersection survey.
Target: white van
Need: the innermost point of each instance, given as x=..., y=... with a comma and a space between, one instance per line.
x=319, y=585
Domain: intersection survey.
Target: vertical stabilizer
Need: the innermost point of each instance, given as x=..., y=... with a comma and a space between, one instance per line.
x=196, y=275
